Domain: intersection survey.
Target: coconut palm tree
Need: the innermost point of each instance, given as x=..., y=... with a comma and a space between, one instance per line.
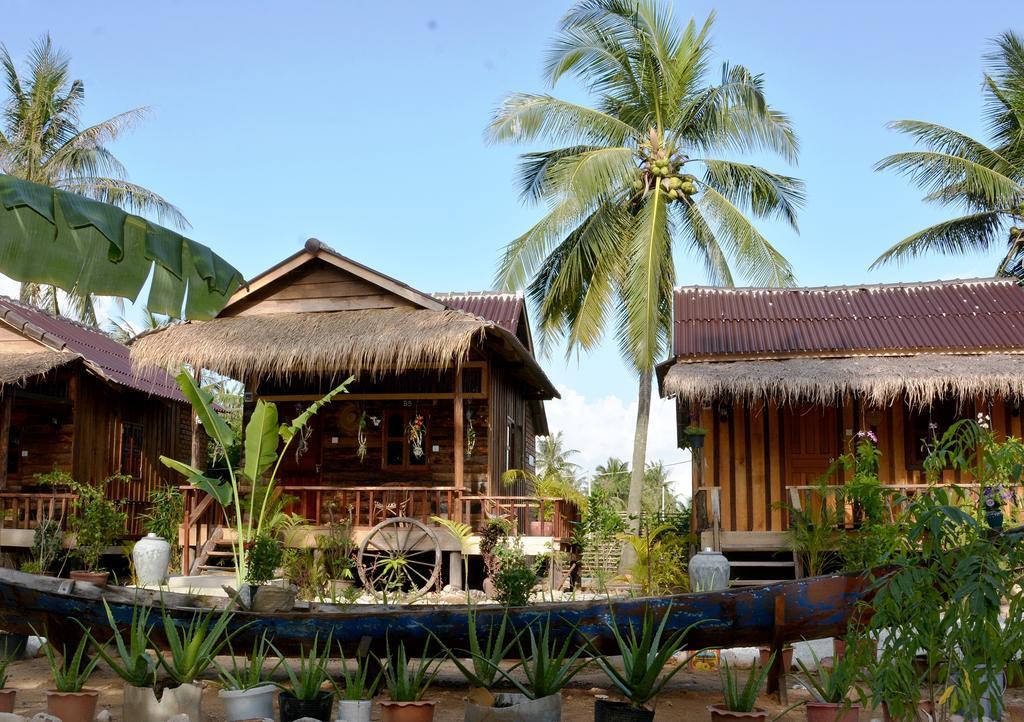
x=986, y=182
x=635, y=180
x=554, y=460
x=41, y=140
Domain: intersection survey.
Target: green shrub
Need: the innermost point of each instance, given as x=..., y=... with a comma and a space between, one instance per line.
x=97, y=523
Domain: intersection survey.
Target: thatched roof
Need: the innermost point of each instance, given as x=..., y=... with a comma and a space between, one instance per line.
x=877, y=379
x=17, y=368
x=287, y=344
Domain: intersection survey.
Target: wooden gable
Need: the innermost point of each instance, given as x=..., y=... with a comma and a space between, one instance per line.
x=320, y=279
x=13, y=341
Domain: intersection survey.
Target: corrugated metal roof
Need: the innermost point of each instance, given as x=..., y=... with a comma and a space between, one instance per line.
x=940, y=316
x=503, y=309
x=110, y=357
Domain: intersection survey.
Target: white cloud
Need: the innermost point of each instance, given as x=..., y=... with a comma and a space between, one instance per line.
x=603, y=427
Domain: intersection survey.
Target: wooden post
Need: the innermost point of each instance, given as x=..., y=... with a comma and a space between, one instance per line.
x=459, y=447
x=777, y=674
x=5, y=436
x=198, y=453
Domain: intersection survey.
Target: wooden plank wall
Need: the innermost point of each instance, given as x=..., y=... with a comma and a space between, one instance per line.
x=749, y=442
x=506, y=402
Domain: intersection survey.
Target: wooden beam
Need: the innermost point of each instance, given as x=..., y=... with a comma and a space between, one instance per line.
x=459, y=446
x=5, y=436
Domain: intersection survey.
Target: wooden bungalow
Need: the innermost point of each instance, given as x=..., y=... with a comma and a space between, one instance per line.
x=460, y=363
x=70, y=402
x=782, y=379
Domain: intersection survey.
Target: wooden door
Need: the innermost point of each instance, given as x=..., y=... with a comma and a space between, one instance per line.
x=812, y=443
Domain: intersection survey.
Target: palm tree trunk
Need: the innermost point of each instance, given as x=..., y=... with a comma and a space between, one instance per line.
x=636, y=478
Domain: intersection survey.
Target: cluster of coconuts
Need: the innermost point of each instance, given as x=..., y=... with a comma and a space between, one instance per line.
x=663, y=168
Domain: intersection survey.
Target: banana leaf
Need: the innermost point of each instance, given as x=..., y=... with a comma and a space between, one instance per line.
x=63, y=239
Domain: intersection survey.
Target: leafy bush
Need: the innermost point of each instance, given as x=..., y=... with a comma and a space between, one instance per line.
x=514, y=578
x=336, y=549
x=98, y=521
x=264, y=557
x=47, y=545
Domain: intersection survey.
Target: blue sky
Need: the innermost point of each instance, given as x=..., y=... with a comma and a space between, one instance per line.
x=362, y=124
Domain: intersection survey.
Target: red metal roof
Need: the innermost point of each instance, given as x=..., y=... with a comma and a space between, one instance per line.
x=502, y=309
x=950, y=316
x=111, y=358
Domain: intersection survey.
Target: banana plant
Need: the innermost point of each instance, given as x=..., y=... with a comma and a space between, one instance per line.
x=262, y=440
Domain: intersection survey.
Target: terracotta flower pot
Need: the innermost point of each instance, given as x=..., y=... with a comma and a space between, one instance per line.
x=7, y=699
x=72, y=706
x=420, y=711
x=542, y=528
x=787, y=657
x=828, y=712
x=97, y=578
x=720, y=714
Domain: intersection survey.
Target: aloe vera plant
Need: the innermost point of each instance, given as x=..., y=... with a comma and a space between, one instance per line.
x=356, y=684
x=485, y=653
x=644, y=657
x=250, y=672
x=742, y=698
x=70, y=673
x=133, y=662
x=406, y=682
x=193, y=648
x=547, y=664
x=307, y=680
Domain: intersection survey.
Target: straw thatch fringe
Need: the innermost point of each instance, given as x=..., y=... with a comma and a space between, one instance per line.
x=286, y=344
x=17, y=368
x=877, y=379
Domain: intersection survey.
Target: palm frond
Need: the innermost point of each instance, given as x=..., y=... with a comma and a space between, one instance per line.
x=95, y=137
x=531, y=176
x=958, y=236
x=935, y=171
x=756, y=259
x=129, y=196
x=751, y=187
x=1004, y=86
x=951, y=142
x=702, y=243
x=524, y=117
x=592, y=174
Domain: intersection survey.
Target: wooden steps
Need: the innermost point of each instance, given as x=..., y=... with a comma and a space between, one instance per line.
x=216, y=556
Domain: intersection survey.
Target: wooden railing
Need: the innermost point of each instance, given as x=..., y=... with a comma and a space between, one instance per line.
x=24, y=510
x=370, y=505
x=529, y=515
x=810, y=498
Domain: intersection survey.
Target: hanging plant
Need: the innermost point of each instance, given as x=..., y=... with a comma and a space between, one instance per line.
x=417, y=427
x=470, y=434
x=361, y=438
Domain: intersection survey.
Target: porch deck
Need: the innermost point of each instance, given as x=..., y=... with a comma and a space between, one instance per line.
x=21, y=512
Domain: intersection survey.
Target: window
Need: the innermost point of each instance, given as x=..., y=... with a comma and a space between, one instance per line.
x=925, y=425
x=512, y=458
x=399, y=450
x=131, y=450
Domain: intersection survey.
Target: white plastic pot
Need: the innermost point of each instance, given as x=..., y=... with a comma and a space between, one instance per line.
x=354, y=710
x=517, y=708
x=254, y=703
x=141, y=704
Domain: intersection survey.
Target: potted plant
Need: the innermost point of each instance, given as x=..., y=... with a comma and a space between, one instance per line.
x=406, y=685
x=485, y=654
x=336, y=548
x=305, y=695
x=831, y=688
x=70, y=700
x=245, y=689
x=740, y=700
x=6, y=695
x=356, y=690
x=191, y=651
x=47, y=545
x=548, y=667
x=695, y=436
x=132, y=661
x=96, y=523
x=642, y=676
x=265, y=554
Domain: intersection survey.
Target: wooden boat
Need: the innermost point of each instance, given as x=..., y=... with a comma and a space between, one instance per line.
x=772, y=614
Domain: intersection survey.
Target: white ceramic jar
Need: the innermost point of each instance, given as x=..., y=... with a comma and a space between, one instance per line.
x=151, y=555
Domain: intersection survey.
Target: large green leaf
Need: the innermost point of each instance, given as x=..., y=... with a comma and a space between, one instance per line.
x=202, y=402
x=217, y=488
x=63, y=239
x=261, y=439
x=288, y=431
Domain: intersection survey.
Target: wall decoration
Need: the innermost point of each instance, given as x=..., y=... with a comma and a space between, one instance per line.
x=470, y=433
x=417, y=428
x=361, y=438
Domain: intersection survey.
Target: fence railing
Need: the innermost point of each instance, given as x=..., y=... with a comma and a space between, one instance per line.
x=24, y=510
x=370, y=505
x=528, y=515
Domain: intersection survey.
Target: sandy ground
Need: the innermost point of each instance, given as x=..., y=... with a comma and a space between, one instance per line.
x=689, y=695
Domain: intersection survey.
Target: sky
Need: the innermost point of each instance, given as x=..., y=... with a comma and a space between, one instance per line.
x=361, y=124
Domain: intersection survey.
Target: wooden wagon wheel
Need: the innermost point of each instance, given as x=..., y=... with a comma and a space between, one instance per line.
x=400, y=556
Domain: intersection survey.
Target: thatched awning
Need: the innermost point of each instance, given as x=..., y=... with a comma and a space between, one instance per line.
x=878, y=379
x=17, y=368
x=283, y=345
